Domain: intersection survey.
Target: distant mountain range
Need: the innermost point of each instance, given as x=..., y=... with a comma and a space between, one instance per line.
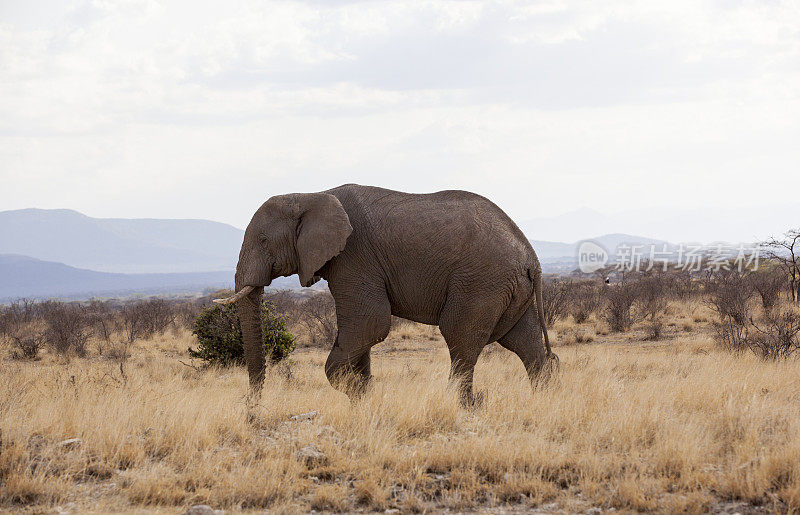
x=734, y=223
x=120, y=245
x=549, y=250
x=26, y=277
x=63, y=253
x=22, y=276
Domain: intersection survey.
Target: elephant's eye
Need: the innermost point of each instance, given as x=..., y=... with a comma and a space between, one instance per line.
x=263, y=239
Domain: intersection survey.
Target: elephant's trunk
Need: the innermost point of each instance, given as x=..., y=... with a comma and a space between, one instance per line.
x=249, y=309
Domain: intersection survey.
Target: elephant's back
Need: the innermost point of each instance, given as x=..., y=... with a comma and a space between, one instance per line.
x=448, y=226
x=428, y=247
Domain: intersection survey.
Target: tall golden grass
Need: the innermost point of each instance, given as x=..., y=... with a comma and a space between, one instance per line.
x=673, y=425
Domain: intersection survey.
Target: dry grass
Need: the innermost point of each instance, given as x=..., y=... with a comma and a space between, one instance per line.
x=674, y=425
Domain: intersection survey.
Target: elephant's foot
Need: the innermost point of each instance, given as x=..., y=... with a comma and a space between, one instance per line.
x=254, y=412
x=354, y=385
x=547, y=373
x=251, y=400
x=358, y=387
x=551, y=367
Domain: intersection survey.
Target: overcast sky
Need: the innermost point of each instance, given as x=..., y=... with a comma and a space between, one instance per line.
x=204, y=110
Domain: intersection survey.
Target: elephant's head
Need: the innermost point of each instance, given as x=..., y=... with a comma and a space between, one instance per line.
x=289, y=234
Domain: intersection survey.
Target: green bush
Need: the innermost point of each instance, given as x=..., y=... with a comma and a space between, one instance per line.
x=219, y=335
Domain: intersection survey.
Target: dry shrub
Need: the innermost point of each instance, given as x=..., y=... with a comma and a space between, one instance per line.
x=555, y=299
x=767, y=283
x=131, y=322
x=101, y=317
x=639, y=296
x=652, y=296
x=17, y=314
x=777, y=337
x=729, y=295
x=285, y=302
x=408, y=330
x=581, y=336
x=119, y=351
x=186, y=313
x=618, y=312
x=291, y=303
x=6, y=321
x=17, y=327
x=784, y=253
x=684, y=284
x=318, y=313
x=67, y=327
x=26, y=347
x=585, y=300
x=145, y=318
x=158, y=316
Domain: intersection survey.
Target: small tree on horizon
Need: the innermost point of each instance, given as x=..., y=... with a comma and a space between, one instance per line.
x=785, y=252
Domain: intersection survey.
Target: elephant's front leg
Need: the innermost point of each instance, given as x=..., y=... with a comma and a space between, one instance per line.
x=348, y=373
x=361, y=325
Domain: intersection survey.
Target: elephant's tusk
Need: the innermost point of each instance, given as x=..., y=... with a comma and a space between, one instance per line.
x=235, y=297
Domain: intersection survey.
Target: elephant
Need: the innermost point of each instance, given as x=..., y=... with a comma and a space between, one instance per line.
x=451, y=258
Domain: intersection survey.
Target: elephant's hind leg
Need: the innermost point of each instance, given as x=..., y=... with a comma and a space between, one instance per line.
x=467, y=329
x=525, y=340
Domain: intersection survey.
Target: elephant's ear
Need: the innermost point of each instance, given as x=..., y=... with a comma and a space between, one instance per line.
x=322, y=231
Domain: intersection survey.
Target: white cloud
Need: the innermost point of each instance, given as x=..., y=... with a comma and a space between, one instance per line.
x=181, y=109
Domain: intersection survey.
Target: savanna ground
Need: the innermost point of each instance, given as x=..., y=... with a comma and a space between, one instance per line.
x=675, y=424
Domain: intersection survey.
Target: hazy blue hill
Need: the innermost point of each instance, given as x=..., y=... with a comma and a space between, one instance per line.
x=22, y=276
x=611, y=241
x=553, y=249
x=556, y=250
x=119, y=245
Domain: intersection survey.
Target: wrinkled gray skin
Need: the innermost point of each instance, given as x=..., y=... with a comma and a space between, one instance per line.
x=452, y=259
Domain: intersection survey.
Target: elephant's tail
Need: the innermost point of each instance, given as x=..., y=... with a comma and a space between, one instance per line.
x=537, y=288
